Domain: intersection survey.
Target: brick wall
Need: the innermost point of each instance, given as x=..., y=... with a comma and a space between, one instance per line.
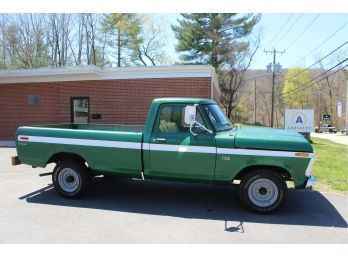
x=118, y=101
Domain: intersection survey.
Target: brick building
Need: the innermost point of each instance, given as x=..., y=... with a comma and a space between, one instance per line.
x=95, y=95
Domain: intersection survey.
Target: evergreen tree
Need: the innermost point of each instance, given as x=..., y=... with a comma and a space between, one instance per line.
x=126, y=28
x=209, y=38
x=219, y=39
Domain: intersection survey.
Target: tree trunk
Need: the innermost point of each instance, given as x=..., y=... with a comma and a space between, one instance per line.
x=118, y=48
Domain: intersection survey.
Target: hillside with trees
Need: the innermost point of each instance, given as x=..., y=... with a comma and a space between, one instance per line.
x=227, y=41
x=29, y=41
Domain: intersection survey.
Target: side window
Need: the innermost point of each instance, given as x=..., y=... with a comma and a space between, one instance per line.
x=172, y=120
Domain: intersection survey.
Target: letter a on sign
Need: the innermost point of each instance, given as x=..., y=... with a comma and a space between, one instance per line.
x=299, y=119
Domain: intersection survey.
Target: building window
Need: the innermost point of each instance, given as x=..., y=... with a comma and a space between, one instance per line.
x=33, y=100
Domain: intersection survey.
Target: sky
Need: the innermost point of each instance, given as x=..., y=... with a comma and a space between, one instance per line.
x=295, y=33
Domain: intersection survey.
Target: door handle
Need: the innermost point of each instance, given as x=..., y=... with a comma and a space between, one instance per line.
x=160, y=140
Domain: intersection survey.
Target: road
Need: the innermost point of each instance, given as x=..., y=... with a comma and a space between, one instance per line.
x=135, y=211
x=337, y=138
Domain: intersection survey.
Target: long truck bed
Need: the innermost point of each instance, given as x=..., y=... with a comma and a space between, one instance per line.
x=92, y=142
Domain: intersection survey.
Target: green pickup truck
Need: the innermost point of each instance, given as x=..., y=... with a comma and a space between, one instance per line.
x=183, y=139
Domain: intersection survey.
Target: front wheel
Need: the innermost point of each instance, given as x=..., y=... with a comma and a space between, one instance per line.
x=70, y=178
x=262, y=191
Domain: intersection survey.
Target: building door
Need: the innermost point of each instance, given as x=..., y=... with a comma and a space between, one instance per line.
x=79, y=109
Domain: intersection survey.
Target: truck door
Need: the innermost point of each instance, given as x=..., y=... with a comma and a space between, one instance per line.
x=175, y=152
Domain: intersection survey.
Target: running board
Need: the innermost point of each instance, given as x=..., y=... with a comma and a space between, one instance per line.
x=45, y=174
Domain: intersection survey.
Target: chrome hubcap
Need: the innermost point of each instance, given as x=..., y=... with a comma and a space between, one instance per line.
x=68, y=180
x=263, y=192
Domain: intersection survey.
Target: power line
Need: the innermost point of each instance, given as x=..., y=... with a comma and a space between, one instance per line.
x=287, y=32
x=321, y=79
x=258, y=91
x=299, y=87
x=281, y=28
x=299, y=73
x=303, y=31
x=323, y=42
x=259, y=77
x=315, y=77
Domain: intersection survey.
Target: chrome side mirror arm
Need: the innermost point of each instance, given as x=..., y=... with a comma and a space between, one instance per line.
x=196, y=122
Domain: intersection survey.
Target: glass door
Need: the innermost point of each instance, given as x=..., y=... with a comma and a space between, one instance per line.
x=79, y=109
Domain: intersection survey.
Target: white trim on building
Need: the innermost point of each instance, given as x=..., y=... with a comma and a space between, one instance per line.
x=82, y=73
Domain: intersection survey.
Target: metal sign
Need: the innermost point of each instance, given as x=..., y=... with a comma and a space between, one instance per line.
x=339, y=109
x=299, y=120
x=326, y=117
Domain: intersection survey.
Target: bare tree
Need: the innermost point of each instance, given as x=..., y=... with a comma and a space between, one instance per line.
x=23, y=41
x=238, y=61
x=58, y=35
x=95, y=39
x=329, y=81
x=3, y=59
x=266, y=101
x=77, y=39
x=150, y=51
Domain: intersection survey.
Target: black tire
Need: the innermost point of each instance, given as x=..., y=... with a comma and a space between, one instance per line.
x=262, y=191
x=71, y=178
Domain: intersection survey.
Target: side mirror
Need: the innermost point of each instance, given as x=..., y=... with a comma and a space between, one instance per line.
x=190, y=115
x=190, y=119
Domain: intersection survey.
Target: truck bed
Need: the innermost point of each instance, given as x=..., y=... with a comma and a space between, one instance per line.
x=102, y=127
x=111, y=148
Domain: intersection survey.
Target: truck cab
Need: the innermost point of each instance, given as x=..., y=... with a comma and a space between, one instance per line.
x=182, y=145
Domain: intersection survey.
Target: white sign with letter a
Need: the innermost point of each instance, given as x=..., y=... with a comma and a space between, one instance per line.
x=299, y=120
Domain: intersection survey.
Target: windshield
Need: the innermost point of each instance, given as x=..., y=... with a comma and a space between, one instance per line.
x=217, y=117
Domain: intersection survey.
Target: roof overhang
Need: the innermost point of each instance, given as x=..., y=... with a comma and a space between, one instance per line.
x=81, y=73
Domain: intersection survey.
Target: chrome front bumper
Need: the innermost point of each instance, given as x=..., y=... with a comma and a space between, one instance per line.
x=310, y=181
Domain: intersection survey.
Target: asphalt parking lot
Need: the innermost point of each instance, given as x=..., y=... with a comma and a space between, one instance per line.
x=134, y=211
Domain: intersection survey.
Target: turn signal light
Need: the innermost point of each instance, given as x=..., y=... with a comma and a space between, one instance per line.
x=302, y=154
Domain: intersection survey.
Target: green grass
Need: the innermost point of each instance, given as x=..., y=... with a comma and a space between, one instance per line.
x=331, y=163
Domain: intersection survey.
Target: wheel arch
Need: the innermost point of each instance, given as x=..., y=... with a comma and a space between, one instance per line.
x=284, y=173
x=57, y=157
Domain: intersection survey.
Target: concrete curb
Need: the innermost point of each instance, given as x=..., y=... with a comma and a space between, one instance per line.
x=7, y=143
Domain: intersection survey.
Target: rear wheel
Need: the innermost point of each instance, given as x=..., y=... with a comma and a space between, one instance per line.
x=70, y=178
x=262, y=191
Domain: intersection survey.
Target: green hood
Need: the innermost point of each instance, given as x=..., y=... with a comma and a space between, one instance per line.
x=271, y=139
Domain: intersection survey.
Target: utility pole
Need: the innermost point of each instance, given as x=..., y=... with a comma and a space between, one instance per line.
x=346, y=123
x=319, y=110
x=274, y=51
x=255, y=103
